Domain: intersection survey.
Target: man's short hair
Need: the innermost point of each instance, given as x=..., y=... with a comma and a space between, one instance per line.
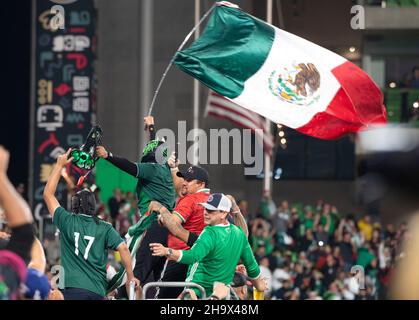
x=240, y=280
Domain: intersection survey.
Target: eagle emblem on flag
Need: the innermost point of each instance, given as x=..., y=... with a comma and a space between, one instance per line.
x=298, y=84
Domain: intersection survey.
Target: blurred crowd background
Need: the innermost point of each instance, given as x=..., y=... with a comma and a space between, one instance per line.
x=305, y=251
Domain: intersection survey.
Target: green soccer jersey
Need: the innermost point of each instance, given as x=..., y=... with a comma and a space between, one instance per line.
x=214, y=256
x=84, y=250
x=155, y=182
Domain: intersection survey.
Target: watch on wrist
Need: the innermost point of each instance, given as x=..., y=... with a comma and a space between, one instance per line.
x=169, y=252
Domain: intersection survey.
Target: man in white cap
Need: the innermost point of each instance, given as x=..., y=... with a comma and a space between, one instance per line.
x=214, y=256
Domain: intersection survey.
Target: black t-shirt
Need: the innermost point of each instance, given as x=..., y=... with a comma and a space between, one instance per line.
x=329, y=273
x=346, y=251
x=304, y=244
x=282, y=293
x=113, y=207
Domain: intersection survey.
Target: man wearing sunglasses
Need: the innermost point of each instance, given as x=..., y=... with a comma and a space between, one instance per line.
x=215, y=254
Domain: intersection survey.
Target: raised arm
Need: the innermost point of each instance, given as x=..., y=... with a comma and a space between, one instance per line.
x=38, y=260
x=340, y=230
x=149, y=125
x=68, y=180
x=239, y=220
x=265, y=228
x=256, y=223
x=51, y=186
x=316, y=220
x=17, y=212
x=16, y=209
x=328, y=223
x=174, y=168
x=121, y=163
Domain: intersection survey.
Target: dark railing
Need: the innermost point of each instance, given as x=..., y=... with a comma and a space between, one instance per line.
x=173, y=285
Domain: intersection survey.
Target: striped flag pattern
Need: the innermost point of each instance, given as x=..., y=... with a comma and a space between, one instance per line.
x=220, y=107
x=282, y=77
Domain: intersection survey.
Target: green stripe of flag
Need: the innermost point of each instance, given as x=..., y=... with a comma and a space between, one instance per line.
x=232, y=48
x=136, y=233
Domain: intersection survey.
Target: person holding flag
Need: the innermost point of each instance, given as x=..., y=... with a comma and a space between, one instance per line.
x=155, y=182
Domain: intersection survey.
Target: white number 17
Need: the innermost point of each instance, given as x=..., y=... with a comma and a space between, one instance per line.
x=89, y=245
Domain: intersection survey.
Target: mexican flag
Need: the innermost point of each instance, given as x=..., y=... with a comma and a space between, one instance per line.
x=284, y=78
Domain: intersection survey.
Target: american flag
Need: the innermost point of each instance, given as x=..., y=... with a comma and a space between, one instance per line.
x=220, y=107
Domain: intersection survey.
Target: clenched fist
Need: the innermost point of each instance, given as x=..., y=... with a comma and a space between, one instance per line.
x=172, y=161
x=101, y=152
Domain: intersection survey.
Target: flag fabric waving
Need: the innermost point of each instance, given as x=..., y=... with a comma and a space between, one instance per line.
x=220, y=107
x=134, y=237
x=282, y=77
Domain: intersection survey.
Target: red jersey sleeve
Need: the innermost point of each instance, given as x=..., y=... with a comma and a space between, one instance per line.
x=184, y=208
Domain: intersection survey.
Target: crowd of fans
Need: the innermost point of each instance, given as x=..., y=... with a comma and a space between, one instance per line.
x=304, y=251
x=122, y=210
x=411, y=80
x=314, y=252
x=393, y=3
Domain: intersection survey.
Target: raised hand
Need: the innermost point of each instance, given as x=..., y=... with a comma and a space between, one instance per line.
x=101, y=152
x=64, y=159
x=172, y=161
x=148, y=121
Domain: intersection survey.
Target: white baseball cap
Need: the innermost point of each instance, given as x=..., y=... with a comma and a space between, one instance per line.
x=217, y=201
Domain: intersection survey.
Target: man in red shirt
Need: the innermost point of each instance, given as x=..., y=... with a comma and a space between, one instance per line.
x=190, y=215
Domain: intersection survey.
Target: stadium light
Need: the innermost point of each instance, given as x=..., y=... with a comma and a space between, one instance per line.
x=278, y=173
x=352, y=49
x=416, y=104
x=392, y=85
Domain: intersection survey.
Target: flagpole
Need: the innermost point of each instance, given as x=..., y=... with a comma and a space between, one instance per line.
x=267, y=185
x=196, y=88
x=150, y=110
x=146, y=65
x=280, y=14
